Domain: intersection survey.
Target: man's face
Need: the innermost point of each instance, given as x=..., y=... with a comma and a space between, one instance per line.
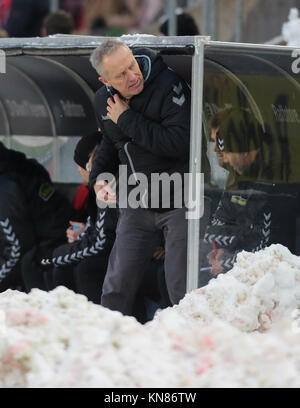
x=216, y=149
x=238, y=161
x=123, y=73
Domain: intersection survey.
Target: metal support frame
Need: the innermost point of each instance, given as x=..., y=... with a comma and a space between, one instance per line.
x=191, y=3
x=213, y=19
x=205, y=17
x=54, y=5
x=239, y=17
x=172, y=26
x=209, y=18
x=195, y=160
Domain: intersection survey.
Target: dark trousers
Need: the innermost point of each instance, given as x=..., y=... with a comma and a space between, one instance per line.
x=13, y=280
x=138, y=234
x=33, y=274
x=89, y=276
x=85, y=278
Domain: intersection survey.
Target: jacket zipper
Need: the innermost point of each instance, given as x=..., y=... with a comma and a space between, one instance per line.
x=134, y=172
x=130, y=162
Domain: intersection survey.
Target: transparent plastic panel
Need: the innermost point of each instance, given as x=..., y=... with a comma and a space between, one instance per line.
x=36, y=147
x=52, y=97
x=251, y=124
x=23, y=110
x=66, y=167
x=55, y=154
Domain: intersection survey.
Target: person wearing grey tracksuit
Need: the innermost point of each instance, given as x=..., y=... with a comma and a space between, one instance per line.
x=144, y=115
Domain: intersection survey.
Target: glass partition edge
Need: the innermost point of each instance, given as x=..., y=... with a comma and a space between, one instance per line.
x=195, y=162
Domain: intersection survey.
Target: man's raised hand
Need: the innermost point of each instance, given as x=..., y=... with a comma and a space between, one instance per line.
x=115, y=107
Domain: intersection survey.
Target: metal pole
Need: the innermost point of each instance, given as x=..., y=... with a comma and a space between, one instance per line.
x=54, y=5
x=195, y=162
x=172, y=27
x=205, y=18
x=213, y=19
x=191, y=3
x=239, y=9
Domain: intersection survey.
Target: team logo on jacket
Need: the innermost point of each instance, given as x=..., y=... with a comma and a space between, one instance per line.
x=220, y=144
x=46, y=191
x=179, y=99
x=239, y=200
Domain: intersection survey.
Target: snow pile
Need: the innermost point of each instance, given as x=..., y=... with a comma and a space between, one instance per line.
x=291, y=29
x=222, y=356
x=261, y=288
x=59, y=339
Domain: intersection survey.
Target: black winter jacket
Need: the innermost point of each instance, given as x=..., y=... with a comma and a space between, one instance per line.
x=31, y=211
x=153, y=136
x=258, y=214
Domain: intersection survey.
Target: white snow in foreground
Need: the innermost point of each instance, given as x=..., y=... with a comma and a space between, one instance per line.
x=238, y=331
x=291, y=29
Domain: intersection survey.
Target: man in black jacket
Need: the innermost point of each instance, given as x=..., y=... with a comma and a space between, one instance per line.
x=144, y=113
x=259, y=212
x=33, y=219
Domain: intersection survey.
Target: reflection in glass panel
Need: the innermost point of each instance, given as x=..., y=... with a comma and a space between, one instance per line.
x=251, y=124
x=36, y=147
x=43, y=149
x=67, y=168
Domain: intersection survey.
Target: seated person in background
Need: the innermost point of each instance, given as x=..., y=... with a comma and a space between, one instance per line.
x=58, y=22
x=251, y=217
x=186, y=25
x=33, y=218
x=81, y=264
x=98, y=27
x=217, y=119
x=77, y=8
x=137, y=15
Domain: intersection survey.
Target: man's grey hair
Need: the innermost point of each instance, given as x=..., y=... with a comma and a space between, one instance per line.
x=106, y=48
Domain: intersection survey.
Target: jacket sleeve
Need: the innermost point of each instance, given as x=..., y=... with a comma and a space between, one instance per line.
x=97, y=239
x=169, y=138
x=16, y=229
x=106, y=159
